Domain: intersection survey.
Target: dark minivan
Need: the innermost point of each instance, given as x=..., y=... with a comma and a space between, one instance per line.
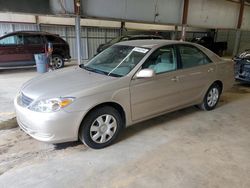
x=18, y=48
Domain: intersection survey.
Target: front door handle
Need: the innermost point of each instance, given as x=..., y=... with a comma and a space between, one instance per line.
x=210, y=70
x=175, y=79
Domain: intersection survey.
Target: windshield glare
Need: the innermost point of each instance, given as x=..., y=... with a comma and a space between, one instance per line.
x=117, y=60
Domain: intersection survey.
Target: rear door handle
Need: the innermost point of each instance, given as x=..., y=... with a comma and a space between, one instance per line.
x=210, y=70
x=175, y=79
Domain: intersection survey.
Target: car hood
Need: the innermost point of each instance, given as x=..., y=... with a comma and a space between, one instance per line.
x=65, y=83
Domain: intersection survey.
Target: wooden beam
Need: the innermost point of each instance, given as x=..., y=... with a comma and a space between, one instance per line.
x=242, y=3
x=185, y=12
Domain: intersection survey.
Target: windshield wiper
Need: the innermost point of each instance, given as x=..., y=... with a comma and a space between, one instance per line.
x=98, y=71
x=93, y=70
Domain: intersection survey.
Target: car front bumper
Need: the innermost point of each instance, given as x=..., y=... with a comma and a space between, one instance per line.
x=53, y=127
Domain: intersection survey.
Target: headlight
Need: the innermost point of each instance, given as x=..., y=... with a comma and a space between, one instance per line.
x=51, y=105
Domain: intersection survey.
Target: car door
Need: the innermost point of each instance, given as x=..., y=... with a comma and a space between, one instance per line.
x=11, y=50
x=151, y=96
x=33, y=45
x=197, y=73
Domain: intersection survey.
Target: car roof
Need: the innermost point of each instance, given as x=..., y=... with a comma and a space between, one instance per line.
x=139, y=36
x=151, y=43
x=30, y=32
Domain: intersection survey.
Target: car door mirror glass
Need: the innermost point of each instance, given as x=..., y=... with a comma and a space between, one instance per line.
x=145, y=73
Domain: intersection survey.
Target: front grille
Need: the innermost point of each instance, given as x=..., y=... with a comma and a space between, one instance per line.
x=25, y=100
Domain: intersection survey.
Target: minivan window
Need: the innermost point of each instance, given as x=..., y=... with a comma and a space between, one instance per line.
x=192, y=56
x=32, y=39
x=11, y=40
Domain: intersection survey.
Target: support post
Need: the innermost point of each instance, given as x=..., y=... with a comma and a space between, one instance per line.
x=174, y=33
x=238, y=31
x=184, y=20
x=37, y=23
x=78, y=30
x=122, y=29
x=237, y=42
x=183, y=32
x=78, y=38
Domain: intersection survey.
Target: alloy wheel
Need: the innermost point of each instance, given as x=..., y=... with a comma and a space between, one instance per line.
x=212, y=97
x=103, y=128
x=57, y=62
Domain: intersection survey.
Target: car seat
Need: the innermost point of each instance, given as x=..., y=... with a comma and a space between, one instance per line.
x=164, y=63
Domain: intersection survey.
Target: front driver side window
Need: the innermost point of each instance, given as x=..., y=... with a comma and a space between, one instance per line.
x=162, y=60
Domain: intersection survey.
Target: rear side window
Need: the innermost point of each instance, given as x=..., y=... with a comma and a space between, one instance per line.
x=53, y=39
x=12, y=40
x=192, y=56
x=32, y=39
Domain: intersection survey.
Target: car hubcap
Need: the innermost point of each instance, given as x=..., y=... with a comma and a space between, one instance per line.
x=212, y=97
x=103, y=128
x=57, y=62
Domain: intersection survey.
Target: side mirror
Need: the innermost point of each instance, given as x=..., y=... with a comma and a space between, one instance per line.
x=145, y=73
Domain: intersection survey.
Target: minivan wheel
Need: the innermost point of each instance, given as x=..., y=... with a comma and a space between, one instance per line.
x=57, y=61
x=211, y=98
x=101, y=127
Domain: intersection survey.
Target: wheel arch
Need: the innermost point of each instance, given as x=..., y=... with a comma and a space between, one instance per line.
x=220, y=84
x=115, y=105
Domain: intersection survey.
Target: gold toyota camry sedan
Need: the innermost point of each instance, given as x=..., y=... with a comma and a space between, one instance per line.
x=125, y=84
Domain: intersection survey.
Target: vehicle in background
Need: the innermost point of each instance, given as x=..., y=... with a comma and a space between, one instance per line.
x=102, y=47
x=125, y=84
x=217, y=47
x=242, y=66
x=17, y=49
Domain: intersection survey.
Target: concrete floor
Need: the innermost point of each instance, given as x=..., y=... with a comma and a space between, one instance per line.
x=188, y=148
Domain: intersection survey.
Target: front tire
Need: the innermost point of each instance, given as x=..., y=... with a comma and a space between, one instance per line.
x=101, y=127
x=211, y=98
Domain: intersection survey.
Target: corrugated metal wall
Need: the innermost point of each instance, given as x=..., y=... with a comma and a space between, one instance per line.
x=244, y=41
x=5, y=28
x=91, y=37
x=228, y=36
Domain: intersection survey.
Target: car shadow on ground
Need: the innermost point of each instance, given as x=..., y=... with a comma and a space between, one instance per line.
x=62, y=146
x=155, y=122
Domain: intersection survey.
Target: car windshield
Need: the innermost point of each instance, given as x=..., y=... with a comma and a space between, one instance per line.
x=117, y=60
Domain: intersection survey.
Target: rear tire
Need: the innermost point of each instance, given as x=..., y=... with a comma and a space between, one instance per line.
x=101, y=127
x=57, y=61
x=211, y=98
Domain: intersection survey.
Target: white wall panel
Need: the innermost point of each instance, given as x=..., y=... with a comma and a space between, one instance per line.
x=244, y=41
x=224, y=35
x=140, y=26
x=97, y=36
x=25, y=27
x=5, y=28
x=246, y=18
x=55, y=29
x=7, y=17
x=213, y=13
